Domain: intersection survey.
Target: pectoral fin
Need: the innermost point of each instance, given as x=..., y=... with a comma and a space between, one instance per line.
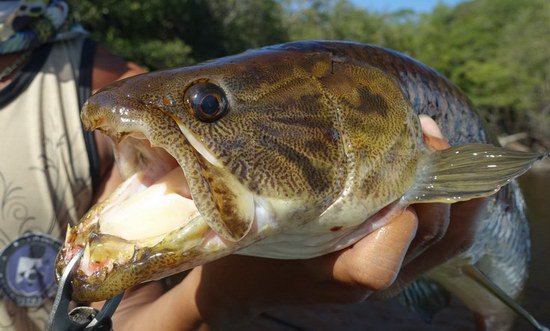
x=468, y=171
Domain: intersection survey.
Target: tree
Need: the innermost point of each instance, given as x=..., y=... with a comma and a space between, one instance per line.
x=497, y=51
x=169, y=33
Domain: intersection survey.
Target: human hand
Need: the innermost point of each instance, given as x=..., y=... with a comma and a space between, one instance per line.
x=232, y=290
x=444, y=230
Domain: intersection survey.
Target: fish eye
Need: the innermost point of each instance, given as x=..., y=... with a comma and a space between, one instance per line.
x=207, y=100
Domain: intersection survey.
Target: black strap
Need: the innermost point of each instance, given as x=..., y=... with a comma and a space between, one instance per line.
x=84, y=91
x=25, y=76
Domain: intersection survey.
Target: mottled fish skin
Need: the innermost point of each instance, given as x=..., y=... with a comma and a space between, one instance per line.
x=501, y=244
x=428, y=91
x=307, y=67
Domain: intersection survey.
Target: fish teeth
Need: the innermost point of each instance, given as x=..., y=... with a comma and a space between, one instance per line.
x=85, y=260
x=68, y=237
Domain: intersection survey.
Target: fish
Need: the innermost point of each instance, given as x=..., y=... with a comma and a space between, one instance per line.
x=292, y=151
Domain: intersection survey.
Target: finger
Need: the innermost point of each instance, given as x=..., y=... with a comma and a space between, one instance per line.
x=433, y=218
x=433, y=137
x=433, y=222
x=134, y=302
x=374, y=261
x=444, y=230
x=430, y=127
x=464, y=219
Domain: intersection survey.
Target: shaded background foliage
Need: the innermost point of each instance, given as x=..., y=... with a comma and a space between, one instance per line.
x=497, y=51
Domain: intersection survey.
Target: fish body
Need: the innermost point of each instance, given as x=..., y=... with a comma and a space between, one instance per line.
x=290, y=151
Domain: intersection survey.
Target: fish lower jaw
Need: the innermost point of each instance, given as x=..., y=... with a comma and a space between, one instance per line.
x=104, y=252
x=152, y=204
x=194, y=242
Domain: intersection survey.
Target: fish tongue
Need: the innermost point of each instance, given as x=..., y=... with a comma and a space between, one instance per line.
x=150, y=214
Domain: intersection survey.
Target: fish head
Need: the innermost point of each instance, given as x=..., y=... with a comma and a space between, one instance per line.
x=215, y=157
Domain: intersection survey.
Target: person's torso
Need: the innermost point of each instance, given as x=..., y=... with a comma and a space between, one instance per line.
x=45, y=178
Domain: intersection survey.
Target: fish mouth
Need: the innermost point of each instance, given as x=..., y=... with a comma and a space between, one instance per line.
x=154, y=198
x=149, y=227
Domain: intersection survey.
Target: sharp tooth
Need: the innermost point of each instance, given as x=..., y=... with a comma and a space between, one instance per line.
x=85, y=260
x=68, y=235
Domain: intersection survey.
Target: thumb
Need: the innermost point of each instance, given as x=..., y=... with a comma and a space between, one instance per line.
x=432, y=134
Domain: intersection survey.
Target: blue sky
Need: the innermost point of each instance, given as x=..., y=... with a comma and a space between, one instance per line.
x=391, y=5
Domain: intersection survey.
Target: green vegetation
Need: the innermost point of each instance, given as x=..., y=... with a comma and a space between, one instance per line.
x=497, y=51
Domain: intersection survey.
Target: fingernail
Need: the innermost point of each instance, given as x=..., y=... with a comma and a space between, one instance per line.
x=430, y=127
